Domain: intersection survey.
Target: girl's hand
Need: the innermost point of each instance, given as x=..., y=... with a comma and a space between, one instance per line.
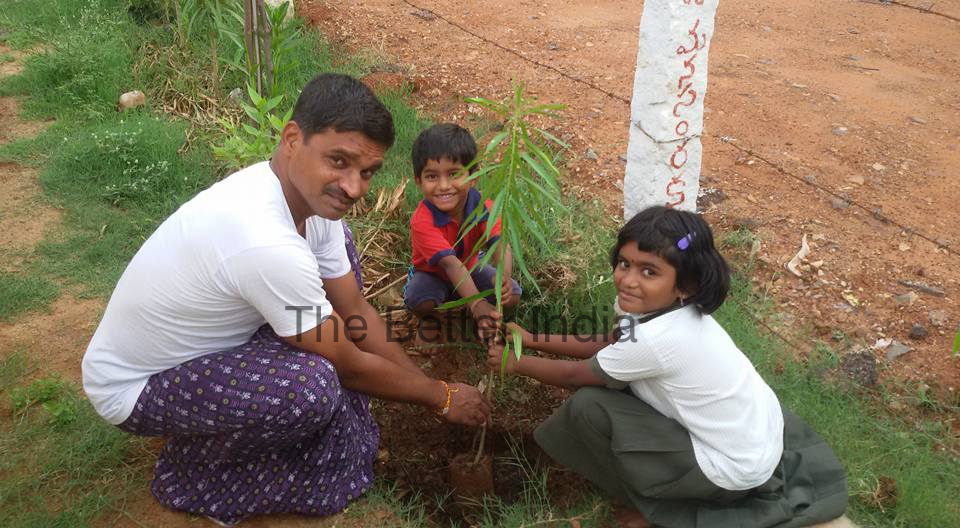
x=495, y=357
x=513, y=328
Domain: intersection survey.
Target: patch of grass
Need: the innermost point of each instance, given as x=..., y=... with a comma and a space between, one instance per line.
x=133, y=163
x=870, y=442
x=116, y=181
x=86, y=61
x=12, y=368
x=21, y=293
x=536, y=505
x=385, y=506
x=62, y=464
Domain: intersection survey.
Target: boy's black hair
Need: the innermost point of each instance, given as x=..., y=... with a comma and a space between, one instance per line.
x=332, y=100
x=444, y=140
x=685, y=241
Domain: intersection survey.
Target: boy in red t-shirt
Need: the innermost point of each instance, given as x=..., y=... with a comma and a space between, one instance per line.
x=441, y=259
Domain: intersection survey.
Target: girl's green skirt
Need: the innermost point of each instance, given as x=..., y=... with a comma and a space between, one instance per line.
x=646, y=460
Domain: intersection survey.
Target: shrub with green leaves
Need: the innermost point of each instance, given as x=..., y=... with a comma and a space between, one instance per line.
x=246, y=144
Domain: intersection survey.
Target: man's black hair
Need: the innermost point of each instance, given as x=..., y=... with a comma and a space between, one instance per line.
x=685, y=241
x=445, y=140
x=332, y=100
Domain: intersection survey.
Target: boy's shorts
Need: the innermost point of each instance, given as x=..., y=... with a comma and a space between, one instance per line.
x=424, y=286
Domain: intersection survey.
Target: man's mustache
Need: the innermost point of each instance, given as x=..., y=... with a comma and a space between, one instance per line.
x=337, y=192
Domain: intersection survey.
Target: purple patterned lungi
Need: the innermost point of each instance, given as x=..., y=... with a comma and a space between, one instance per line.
x=261, y=428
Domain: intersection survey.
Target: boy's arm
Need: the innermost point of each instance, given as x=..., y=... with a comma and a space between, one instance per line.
x=483, y=312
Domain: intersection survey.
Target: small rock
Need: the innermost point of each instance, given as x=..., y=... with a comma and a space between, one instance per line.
x=768, y=29
x=553, y=46
x=765, y=61
x=590, y=154
x=839, y=203
x=896, y=349
x=623, y=159
x=710, y=197
x=799, y=86
x=878, y=166
x=423, y=14
x=746, y=223
x=132, y=100
x=840, y=131
x=835, y=98
x=857, y=179
x=852, y=57
x=903, y=246
x=938, y=317
x=861, y=367
x=918, y=120
x=918, y=332
x=810, y=178
x=906, y=298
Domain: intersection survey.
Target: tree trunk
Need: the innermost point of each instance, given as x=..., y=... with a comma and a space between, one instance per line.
x=663, y=157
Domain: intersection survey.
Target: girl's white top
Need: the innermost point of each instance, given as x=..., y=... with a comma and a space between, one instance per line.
x=685, y=366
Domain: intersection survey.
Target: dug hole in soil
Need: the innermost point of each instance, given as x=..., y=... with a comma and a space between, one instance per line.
x=423, y=454
x=471, y=481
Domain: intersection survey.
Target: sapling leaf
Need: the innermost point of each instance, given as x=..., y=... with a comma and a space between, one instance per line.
x=551, y=137
x=546, y=109
x=518, y=254
x=540, y=170
x=503, y=359
x=464, y=300
x=497, y=290
x=533, y=225
x=495, y=142
x=479, y=173
x=956, y=343
x=547, y=195
x=517, y=345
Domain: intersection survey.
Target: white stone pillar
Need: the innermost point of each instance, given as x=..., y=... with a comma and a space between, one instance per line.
x=663, y=156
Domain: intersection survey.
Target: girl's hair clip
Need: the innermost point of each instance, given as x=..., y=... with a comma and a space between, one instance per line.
x=684, y=242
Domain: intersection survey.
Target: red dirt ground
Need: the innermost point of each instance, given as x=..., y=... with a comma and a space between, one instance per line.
x=784, y=75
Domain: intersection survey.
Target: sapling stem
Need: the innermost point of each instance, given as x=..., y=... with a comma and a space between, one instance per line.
x=487, y=384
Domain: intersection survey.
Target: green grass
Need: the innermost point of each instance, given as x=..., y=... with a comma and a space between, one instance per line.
x=63, y=466
x=868, y=440
x=20, y=293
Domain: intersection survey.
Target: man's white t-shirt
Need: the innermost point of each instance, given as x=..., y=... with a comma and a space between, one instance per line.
x=222, y=265
x=684, y=365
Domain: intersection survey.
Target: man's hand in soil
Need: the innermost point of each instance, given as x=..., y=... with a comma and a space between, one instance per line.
x=487, y=318
x=467, y=406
